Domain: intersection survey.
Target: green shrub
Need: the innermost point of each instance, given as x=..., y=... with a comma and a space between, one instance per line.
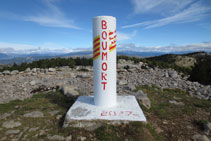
x=202, y=71
x=51, y=63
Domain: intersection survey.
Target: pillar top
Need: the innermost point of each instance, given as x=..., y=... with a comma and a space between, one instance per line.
x=104, y=17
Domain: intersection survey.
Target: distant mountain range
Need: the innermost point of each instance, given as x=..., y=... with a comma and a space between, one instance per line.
x=3, y=56
x=19, y=58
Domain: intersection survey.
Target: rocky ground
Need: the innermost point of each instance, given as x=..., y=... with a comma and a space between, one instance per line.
x=150, y=85
x=20, y=85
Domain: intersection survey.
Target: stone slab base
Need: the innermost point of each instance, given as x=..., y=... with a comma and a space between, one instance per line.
x=84, y=113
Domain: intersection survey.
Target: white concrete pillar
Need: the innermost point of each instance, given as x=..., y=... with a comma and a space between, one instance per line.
x=104, y=60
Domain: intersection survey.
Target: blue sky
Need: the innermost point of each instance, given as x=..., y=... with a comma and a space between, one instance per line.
x=64, y=25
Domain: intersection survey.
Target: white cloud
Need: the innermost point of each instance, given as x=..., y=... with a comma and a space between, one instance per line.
x=167, y=49
x=15, y=48
x=195, y=12
x=205, y=25
x=125, y=36
x=164, y=7
x=52, y=16
x=51, y=48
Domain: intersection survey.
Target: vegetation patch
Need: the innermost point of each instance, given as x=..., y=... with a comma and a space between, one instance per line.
x=172, y=117
x=54, y=106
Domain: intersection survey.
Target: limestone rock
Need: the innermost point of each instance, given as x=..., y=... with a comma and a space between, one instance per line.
x=56, y=137
x=52, y=113
x=69, y=138
x=81, y=138
x=12, y=132
x=166, y=74
x=32, y=83
x=84, y=75
x=173, y=74
x=14, y=72
x=131, y=87
x=33, y=129
x=34, y=70
x=145, y=101
x=27, y=70
x=51, y=70
x=11, y=124
x=70, y=90
x=207, y=128
x=176, y=103
x=42, y=132
x=35, y=114
x=6, y=72
x=58, y=117
x=18, y=86
x=140, y=64
x=4, y=116
x=198, y=137
x=122, y=82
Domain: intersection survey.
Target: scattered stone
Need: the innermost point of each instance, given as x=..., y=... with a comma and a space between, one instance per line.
x=16, y=107
x=58, y=117
x=6, y=72
x=143, y=99
x=207, y=128
x=32, y=83
x=81, y=138
x=70, y=90
x=52, y=113
x=69, y=138
x=140, y=63
x=158, y=130
x=34, y=70
x=27, y=70
x=35, y=114
x=11, y=124
x=176, y=98
x=12, y=132
x=3, y=139
x=4, y=116
x=56, y=137
x=131, y=87
x=19, y=87
x=166, y=74
x=176, y=103
x=33, y=129
x=46, y=70
x=14, y=72
x=189, y=127
x=51, y=70
x=198, y=137
x=173, y=74
x=42, y=132
x=165, y=122
x=84, y=75
x=122, y=82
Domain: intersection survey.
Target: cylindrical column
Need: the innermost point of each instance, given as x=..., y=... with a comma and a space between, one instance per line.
x=104, y=60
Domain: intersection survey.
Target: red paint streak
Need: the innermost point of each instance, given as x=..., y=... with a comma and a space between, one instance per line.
x=97, y=45
x=96, y=50
x=96, y=40
x=112, y=47
x=97, y=54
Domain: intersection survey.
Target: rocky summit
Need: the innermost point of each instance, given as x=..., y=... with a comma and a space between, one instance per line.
x=34, y=102
x=21, y=85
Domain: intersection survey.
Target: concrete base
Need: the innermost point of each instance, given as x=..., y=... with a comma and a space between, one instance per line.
x=84, y=110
